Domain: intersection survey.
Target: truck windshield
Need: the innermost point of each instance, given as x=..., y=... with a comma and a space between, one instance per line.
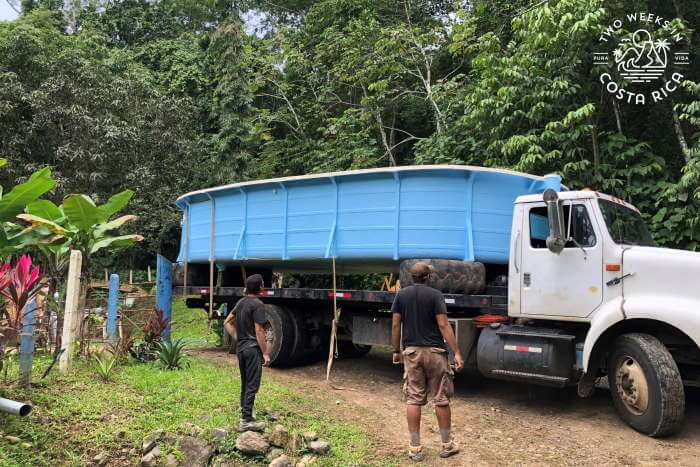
x=625, y=225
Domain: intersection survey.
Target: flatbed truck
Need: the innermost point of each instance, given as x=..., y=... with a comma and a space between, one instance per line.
x=584, y=295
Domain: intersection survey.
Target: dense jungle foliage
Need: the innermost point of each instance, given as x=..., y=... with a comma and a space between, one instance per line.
x=166, y=96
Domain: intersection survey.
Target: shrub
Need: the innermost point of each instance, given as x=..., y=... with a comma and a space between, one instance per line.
x=147, y=351
x=154, y=328
x=105, y=366
x=171, y=355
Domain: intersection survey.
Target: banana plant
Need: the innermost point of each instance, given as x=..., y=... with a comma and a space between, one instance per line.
x=13, y=237
x=78, y=223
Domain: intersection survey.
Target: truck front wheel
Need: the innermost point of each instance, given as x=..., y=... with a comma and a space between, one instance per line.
x=646, y=385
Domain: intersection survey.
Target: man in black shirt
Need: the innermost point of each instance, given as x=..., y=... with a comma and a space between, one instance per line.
x=427, y=373
x=245, y=323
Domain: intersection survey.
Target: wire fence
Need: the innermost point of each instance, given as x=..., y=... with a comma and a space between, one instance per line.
x=136, y=305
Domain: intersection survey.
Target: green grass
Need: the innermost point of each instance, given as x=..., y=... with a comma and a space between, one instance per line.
x=77, y=415
x=192, y=325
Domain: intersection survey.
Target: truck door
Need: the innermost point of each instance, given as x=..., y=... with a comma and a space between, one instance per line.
x=570, y=283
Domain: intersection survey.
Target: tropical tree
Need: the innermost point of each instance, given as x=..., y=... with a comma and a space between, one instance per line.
x=80, y=224
x=13, y=237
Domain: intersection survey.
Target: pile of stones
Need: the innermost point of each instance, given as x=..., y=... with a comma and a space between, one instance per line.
x=276, y=443
x=278, y=446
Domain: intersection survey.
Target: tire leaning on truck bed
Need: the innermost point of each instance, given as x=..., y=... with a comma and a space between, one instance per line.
x=645, y=384
x=449, y=276
x=280, y=335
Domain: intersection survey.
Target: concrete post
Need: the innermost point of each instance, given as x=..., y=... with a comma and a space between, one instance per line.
x=71, y=316
x=164, y=290
x=26, y=343
x=112, y=308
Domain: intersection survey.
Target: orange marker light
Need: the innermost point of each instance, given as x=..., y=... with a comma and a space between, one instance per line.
x=612, y=267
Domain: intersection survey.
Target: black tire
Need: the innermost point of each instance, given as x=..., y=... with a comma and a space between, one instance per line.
x=348, y=349
x=449, y=276
x=644, y=354
x=280, y=335
x=298, y=351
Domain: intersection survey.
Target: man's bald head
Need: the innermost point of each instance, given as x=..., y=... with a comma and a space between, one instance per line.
x=420, y=272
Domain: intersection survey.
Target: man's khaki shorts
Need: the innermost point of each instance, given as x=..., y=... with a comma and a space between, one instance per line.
x=427, y=373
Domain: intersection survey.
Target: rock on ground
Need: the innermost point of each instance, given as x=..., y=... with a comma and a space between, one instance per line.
x=274, y=454
x=306, y=461
x=150, y=441
x=319, y=446
x=100, y=459
x=296, y=442
x=219, y=434
x=171, y=461
x=252, y=443
x=309, y=436
x=279, y=436
x=281, y=461
x=151, y=458
x=196, y=452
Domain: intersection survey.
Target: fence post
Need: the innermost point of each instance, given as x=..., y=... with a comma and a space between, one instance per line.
x=112, y=308
x=26, y=343
x=164, y=290
x=71, y=317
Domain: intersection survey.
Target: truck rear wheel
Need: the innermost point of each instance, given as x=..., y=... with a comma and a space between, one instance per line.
x=646, y=385
x=449, y=276
x=298, y=351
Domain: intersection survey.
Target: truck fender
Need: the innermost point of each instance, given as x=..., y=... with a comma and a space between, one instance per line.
x=681, y=313
x=678, y=313
x=606, y=316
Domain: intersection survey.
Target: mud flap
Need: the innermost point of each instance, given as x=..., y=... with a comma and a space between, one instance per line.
x=586, y=386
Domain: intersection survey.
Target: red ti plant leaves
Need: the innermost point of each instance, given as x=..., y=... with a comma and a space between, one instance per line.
x=18, y=285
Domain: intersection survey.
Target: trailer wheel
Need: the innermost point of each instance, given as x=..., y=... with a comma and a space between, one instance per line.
x=646, y=385
x=449, y=276
x=280, y=334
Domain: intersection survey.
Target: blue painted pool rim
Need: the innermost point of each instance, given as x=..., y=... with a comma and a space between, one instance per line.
x=181, y=201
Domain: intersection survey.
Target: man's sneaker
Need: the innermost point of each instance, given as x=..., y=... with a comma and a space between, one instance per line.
x=251, y=425
x=415, y=453
x=449, y=449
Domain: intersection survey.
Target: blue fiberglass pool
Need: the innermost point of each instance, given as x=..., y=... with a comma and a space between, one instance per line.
x=364, y=216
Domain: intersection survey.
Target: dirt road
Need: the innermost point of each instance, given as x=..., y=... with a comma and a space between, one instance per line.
x=496, y=423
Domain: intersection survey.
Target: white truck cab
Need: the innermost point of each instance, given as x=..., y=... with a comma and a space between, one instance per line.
x=587, y=259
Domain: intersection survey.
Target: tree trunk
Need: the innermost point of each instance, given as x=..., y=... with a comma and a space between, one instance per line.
x=679, y=133
x=616, y=110
x=596, y=150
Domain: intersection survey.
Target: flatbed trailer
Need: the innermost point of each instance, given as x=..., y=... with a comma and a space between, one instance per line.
x=493, y=302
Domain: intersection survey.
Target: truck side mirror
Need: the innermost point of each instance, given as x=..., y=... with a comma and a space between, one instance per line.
x=555, y=214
